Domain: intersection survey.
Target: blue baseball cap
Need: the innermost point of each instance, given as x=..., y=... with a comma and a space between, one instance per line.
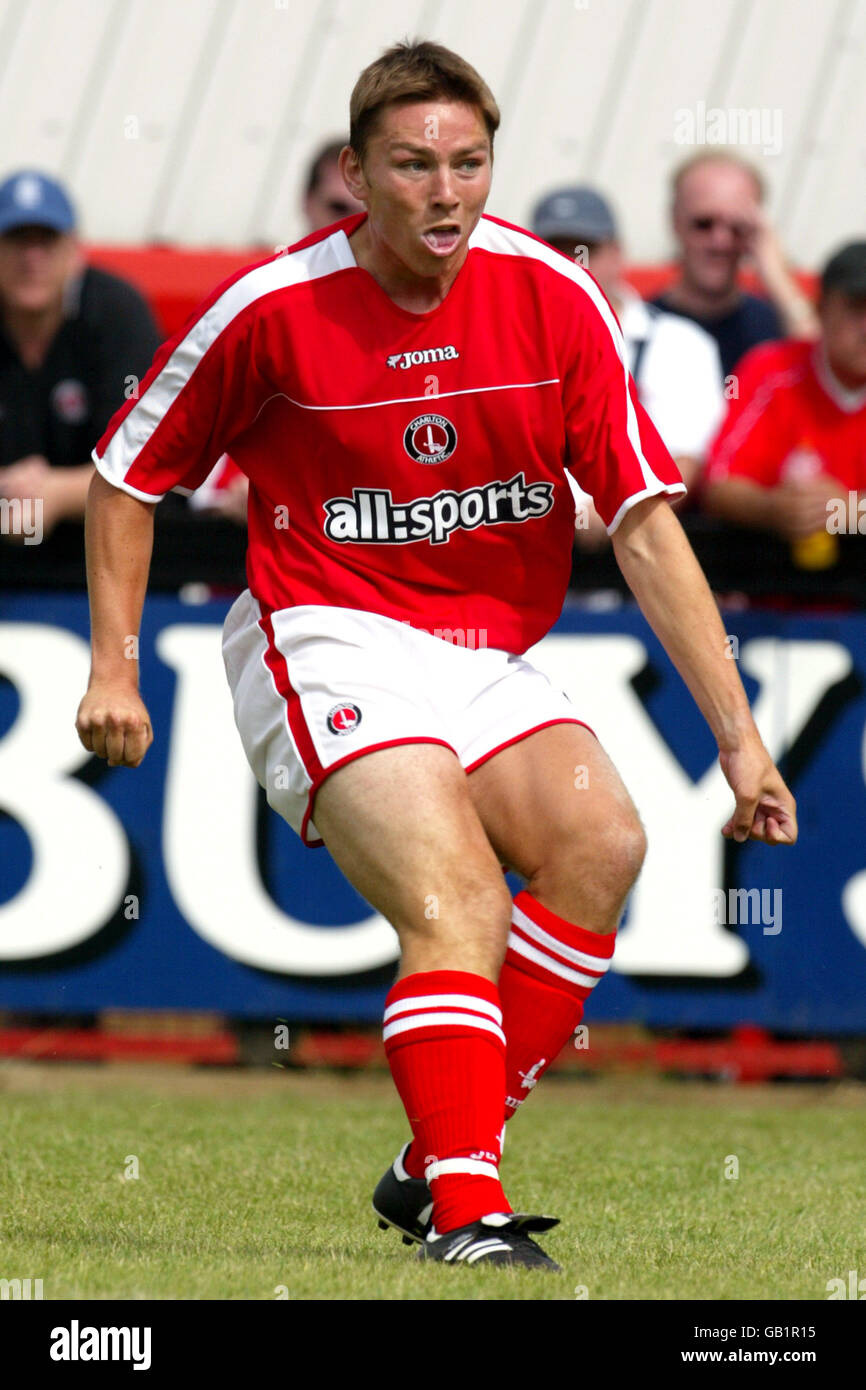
x=578, y=213
x=31, y=199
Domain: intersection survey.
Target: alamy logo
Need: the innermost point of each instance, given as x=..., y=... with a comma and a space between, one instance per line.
x=405, y=360
x=77, y=1343
x=371, y=514
x=21, y=1288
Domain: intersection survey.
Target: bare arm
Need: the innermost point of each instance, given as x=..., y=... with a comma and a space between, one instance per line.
x=797, y=313
x=690, y=469
x=792, y=509
x=70, y=490
x=112, y=719
x=62, y=492
x=662, y=572
x=743, y=502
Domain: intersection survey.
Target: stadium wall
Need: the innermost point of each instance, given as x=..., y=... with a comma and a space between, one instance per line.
x=192, y=124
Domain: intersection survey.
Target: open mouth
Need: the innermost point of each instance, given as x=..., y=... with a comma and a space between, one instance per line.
x=443, y=240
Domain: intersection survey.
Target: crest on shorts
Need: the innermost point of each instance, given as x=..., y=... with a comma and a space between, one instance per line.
x=344, y=718
x=429, y=439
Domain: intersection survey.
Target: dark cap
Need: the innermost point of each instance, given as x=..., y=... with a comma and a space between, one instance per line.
x=31, y=199
x=578, y=213
x=846, y=271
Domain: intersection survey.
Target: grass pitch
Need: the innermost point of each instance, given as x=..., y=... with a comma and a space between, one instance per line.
x=258, y=1185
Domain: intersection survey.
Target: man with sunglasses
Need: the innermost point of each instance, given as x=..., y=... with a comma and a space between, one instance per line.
x=718, y=221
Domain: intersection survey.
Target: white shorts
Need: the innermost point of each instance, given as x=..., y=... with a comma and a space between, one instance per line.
x=315, y=687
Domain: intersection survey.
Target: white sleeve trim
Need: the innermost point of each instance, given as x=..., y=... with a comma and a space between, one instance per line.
x=280, y=272
x=513, y=241
x=640, y=497
x=103, y=468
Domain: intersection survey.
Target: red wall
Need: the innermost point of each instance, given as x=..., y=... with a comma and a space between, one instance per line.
x=175, y=280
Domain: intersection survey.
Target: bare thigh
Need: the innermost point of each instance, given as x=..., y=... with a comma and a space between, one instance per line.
x=554, y=808
x=401, y=825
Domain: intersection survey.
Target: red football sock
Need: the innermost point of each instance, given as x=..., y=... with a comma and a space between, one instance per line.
x=550, y=968
x=446, y=1050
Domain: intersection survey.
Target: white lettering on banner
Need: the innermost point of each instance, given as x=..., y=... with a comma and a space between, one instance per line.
x=854, y=892
x=209, y=833
x=80, y=850
x=81, y=855
x=670, y=930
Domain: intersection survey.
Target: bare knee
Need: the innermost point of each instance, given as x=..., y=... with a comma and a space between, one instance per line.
x=626, y=851
x=460, y=922
x=586, y=874
x=612, y=857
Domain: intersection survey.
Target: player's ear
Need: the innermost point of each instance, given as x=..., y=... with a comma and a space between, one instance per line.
x=353, y=173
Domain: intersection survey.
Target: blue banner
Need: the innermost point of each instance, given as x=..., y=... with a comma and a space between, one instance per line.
x=174, y=886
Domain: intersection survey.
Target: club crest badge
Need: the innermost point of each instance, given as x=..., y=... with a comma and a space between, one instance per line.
x=430, y=439
x=344, y=718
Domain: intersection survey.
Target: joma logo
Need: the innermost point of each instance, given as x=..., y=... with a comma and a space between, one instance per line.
x=404, y=360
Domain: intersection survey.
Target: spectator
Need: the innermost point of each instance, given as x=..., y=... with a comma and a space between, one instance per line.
x=326, y=200
x=326, y=197
x=796, y=436
x=73, y=341
x=675, y=364
x=719, y=221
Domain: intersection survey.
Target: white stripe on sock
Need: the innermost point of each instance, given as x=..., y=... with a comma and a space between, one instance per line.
x=474, y=1167
x=435, y=1001
x=544, y=938
x=523, y=948
x=406, y=1025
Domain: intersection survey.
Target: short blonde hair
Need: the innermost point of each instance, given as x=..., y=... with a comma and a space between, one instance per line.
x=416, y=70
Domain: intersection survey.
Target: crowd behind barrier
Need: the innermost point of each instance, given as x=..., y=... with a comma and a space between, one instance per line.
x=753, y=375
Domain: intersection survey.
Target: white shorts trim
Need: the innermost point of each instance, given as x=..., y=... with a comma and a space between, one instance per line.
x=315, y=687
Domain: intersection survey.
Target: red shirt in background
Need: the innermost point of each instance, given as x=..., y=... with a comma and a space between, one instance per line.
x=790, y=406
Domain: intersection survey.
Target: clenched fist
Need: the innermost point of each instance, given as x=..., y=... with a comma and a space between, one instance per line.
x=113, y=723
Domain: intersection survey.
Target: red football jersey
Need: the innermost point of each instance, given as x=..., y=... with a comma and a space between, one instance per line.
x=406, y=464
x=789, y=402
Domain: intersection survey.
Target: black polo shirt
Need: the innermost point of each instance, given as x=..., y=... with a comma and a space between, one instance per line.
x=103, y=347
x=61, y=409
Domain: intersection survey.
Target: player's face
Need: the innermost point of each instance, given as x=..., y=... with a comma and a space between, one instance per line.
x=714, y=220
x=424, y=181
x=843, y=324
x=35, y=263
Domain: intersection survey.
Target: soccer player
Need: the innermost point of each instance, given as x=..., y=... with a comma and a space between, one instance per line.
x=405, y=391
